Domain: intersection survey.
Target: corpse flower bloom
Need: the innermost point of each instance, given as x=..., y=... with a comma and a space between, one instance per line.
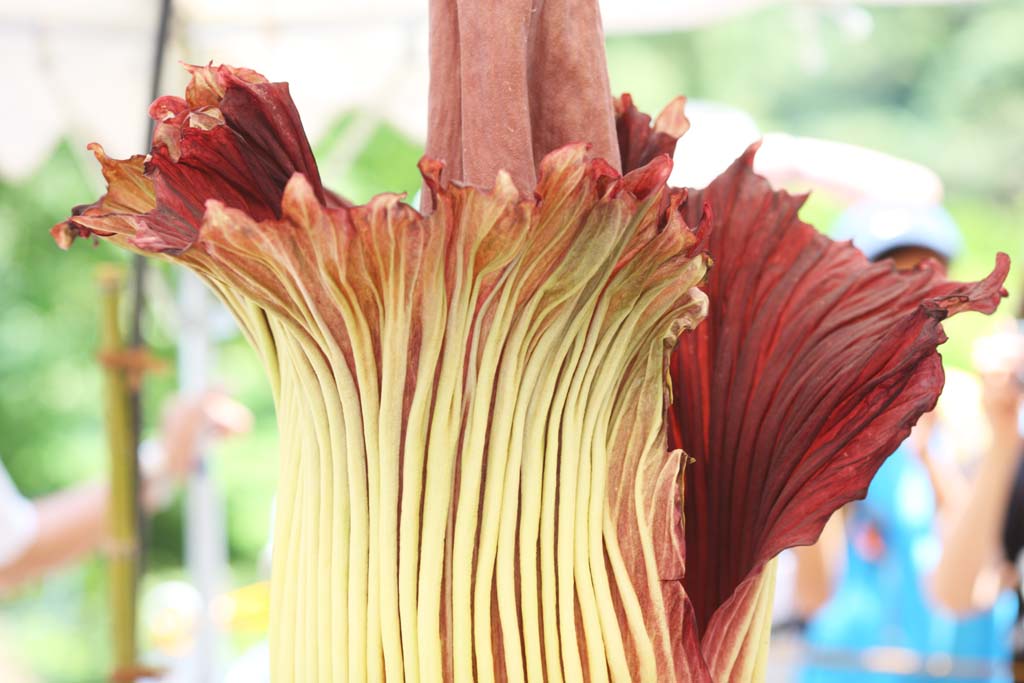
x=475, y=481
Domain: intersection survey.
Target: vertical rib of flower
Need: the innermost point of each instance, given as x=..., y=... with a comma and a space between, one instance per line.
x=474, y=484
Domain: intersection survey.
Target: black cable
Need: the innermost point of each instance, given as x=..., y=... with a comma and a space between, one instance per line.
x=139, y=263
x=135, y=339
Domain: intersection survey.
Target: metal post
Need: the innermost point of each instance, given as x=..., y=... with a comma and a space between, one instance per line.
x=205, y=537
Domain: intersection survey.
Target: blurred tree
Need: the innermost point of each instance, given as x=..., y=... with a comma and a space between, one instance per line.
x=49, y=382
x=943, y=86
x=940, y=85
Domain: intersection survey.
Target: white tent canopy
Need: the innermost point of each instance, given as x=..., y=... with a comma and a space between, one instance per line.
x=82, y=70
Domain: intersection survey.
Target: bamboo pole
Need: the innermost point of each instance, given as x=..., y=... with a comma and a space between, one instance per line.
x=124, y=543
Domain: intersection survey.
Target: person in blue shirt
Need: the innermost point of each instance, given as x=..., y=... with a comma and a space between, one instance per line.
x=922, y=593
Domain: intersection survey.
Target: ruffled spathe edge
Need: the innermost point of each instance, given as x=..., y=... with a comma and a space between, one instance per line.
x=812, y=367
x=234, y=137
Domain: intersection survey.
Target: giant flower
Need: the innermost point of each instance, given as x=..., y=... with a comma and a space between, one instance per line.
x=475, y=479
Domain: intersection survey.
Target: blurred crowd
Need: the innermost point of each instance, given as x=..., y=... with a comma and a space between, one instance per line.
x=920, y=580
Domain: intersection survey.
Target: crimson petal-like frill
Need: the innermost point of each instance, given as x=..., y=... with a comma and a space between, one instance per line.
x=474, y=482
x=812, y=366
x=234, y=137
x=640, y=140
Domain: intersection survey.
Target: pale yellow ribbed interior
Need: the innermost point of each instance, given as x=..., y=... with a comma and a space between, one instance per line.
x=464, y=525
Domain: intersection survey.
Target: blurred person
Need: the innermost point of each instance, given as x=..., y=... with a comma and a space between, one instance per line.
x=908, y=583
x=41, y=535
x=984, y=537
x=984, y=548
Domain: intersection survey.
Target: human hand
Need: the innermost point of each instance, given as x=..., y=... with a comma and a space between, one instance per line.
x=188, y=421
x=999, y=360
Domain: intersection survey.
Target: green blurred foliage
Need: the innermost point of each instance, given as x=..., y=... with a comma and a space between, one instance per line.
x=940, y=85
x=943, y=86
x=361, y=156
x=51, y=418
x=48, y=376
x=50, y=427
